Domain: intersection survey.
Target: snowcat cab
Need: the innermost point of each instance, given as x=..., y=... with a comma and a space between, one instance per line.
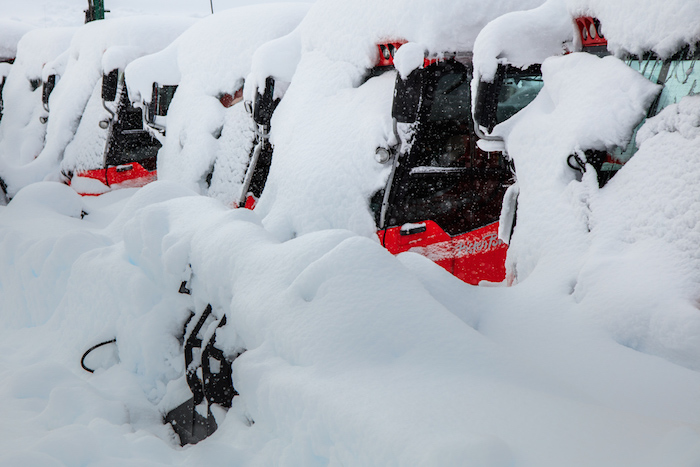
x=443, y=196
x=130, y=151
x=261, y=109
x=678, y=76
x=157, y=109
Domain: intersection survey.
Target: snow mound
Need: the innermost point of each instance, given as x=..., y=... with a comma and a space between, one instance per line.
x=10, y=34
x=22, y=133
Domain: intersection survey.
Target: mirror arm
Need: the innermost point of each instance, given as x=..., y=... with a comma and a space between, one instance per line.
x=484, y=136
x=262, y=137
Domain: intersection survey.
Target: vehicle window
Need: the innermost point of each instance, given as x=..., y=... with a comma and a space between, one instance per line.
x=165, y=95
x=519, y=88
x=679, y=77
x=682, y=80
x=452, y=98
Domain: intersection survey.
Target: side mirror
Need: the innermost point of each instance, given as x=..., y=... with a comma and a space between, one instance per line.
x=486, y=101
x=511, y=91
x=165, y=95
x=153, y=105
x=46, y=91
x=109, y=85
x=264, y=104
x=407, y=97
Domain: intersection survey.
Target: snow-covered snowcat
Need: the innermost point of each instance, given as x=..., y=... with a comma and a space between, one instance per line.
x=443, y=197
x=514, y=88
x=678, y=75
x=261, y=109
x=130, y=150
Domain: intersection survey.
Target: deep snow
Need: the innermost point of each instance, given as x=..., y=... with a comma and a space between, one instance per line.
x=356, y=357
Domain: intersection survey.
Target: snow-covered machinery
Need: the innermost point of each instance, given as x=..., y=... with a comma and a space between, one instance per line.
x=677, y=75
x=208, y=375
x=261, y=110
x=130, y=151
x=5, y=64
x=443, y=197
x=513, y=88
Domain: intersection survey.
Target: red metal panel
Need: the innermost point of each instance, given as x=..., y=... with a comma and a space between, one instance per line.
x=590, y=32
x=132, y=175
x=386, y=52
x=432, y=243
x=129, y=176
x=480, y=255
x=472, y=257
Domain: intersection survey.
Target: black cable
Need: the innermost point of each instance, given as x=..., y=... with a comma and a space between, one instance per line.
x=82, y=360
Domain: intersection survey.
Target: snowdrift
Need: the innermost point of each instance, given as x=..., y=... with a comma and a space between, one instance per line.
x=22, y=133
x=356, y=357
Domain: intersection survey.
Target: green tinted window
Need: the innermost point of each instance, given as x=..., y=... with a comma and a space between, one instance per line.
x=519, y=88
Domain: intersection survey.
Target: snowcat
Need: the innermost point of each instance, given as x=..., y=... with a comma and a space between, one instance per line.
x=130, y=150
x=443, y=196
x=514, y=88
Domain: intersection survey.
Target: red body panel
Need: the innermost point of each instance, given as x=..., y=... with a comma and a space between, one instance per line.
x=250, y=202
x=472, y=257
x=590, y=33
x=480, y=255
x=132, y=175
x=386, y=52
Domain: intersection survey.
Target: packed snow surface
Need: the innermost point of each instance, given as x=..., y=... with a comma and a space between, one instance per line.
x=353, y=356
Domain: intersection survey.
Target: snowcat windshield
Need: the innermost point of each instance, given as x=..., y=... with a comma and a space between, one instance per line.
x=679, y=76
x=510, y=92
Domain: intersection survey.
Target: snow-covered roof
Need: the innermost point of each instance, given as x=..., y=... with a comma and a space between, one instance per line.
x=10, y=34
x=349, y=30
x=630, y=26
x=216, y=51
x=521, y=38
x=21, y=132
